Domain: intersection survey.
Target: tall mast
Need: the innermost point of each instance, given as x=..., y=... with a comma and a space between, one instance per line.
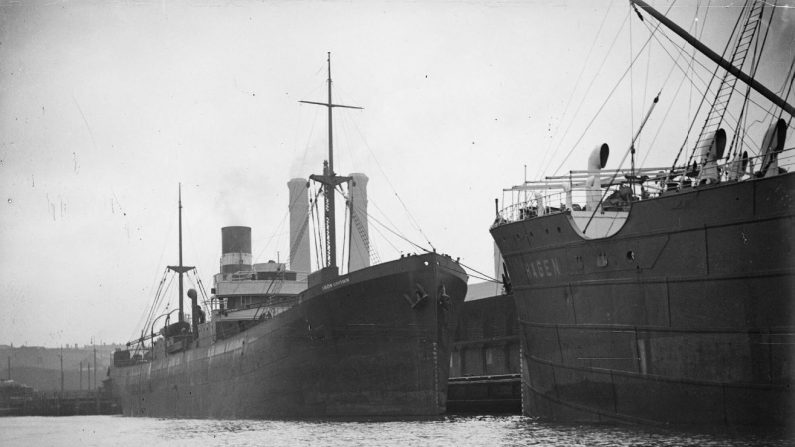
x=180, y=269
x=181, y=313
x=329, y=178
x=726, y=65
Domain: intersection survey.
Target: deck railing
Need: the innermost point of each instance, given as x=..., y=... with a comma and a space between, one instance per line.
x=555, y=194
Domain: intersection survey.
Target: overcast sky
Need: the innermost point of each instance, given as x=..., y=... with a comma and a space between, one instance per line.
x=105, y=106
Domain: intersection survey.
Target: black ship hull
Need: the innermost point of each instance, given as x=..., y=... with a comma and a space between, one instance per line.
x=684, y=316
x=375, y=342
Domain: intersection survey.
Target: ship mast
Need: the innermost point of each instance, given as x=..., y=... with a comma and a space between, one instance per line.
x=726, y=65
x=180, y=269
x=329, y=179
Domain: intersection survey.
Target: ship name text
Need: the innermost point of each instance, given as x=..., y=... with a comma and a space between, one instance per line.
x=336, y=283
x=543, y=268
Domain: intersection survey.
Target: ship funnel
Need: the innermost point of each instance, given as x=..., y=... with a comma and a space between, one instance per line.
x=596, y=161
x=771, y=146
x=359, y=248
x=235, y=249
x=299, y=226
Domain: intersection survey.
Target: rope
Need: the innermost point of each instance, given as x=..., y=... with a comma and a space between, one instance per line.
x=146, y=314
x=665, y=82
x=482, y=276
x=598, y=112
x=665, y=117
x=316, y=234
x=587, y=90
x=704, y=97
x=631, y=87
x=547, y=152
x=344, y=230
x=277, y=232
x=157, y=300
x=681, y=50
x=412, y=220
x=738, y=137
x=692, y=84
x=371, y=253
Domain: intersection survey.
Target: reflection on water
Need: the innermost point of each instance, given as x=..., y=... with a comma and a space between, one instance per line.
x=444, y=431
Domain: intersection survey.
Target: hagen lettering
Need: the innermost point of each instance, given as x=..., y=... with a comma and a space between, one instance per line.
x=543, y=268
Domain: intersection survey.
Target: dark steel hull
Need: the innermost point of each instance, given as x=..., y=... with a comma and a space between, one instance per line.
x=685, y=316
x=354, y=346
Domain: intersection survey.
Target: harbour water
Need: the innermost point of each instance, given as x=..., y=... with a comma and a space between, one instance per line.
x=458, y=431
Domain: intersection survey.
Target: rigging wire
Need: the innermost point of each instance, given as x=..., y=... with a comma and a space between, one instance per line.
x=302, y=232
x=203, y=291
x=547, y=152
x=158, y=301
x=646, y=80
x=315, y=115
x=153, y=285
x=739, y=134
x=395, y=231
x=412, y=220
x=788, y=80
x=397, y=250
x=665, y=117
x=344, y=229
x=729, y=116
x=621, y=163
x=789, y=90
x=704, y=97
x=279, y=227
x=598, y=112
x=631, y=90
x=350, y=207
x=316, y=236
x=146, y=312
x=672, y=102
x=587, y=90
x=152, y=308
x=480, y=275
x=398, y=234
x=675, y=65
x=483, y=276
x=277, y=232
x=171, y=277
x=196, y=284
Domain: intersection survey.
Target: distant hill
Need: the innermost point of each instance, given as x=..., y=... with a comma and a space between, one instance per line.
x=40, y=367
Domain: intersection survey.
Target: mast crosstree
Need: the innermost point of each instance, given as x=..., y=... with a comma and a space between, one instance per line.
x=329, y=179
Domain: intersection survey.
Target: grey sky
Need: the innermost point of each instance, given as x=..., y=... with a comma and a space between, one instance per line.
x=106, y=106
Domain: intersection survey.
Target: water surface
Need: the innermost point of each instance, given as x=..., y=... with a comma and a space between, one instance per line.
x=454, y=431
